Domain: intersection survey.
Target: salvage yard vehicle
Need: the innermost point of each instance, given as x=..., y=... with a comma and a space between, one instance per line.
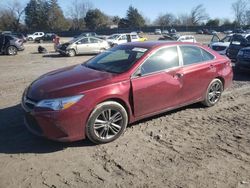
x=243, y=59
x=117, y=39
x=48, y=37
x=238, y=42
x=10, y=45
x=83, y=45
x=33, y=36
x=180, y=38
x=129, y=82
x=220, y=45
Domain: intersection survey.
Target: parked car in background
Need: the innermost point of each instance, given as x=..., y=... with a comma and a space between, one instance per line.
x=239, y=30
x=157, y=31
x=199, y=32
x=33, y=36
x=243, y=59
x=238, y=41
x=180, y=38
x=83, y=45
x=99, y=98
x=86, y=34
x=117, y=39
x=20, y=36
x=227, y=32
x=209, y=32
x=10, y=45
x=165, y=32
x=142, y=38
x=48, y=37
x=220, y=45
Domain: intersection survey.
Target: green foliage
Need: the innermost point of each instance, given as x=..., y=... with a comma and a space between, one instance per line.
x=96, y=19
x=123, y=23
x=134, y=17
x=36, y=13
x=56, y=19
x=213, y=22
x=45, y=15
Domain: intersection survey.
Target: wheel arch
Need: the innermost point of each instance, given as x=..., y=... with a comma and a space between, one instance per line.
x=222, y=80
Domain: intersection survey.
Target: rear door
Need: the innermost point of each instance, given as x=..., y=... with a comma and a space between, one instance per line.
x=94, y=45
x=199, y=69
x=158, y=85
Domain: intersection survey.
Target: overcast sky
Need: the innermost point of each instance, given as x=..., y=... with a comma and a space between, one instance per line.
x=152, y=8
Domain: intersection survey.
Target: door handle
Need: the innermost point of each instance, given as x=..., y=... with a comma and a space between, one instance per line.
x=178, y=75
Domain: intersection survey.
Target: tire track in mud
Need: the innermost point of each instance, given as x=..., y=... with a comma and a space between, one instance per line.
x=185, y=140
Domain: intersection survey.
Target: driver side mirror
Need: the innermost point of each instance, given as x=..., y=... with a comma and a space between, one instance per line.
x=138, y=73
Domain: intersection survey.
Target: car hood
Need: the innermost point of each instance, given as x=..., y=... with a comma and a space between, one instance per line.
x=226, y=44
x=67, y=82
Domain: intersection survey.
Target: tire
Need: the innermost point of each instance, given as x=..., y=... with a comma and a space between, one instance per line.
x=213, y=93
x=71, y=53
x=11, y=50
x=107, y=122
x=30, y=39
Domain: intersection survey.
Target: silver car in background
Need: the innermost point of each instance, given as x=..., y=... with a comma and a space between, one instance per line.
x=83, y=45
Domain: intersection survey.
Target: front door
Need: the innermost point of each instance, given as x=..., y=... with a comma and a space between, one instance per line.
x=157, y=86
x=82, y=46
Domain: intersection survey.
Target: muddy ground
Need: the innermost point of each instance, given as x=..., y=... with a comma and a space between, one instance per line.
x=189, y=147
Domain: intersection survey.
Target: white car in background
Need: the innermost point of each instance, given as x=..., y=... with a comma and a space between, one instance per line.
x=117, y=39
x=220, y=45
x=35, y=35
x=187, y=38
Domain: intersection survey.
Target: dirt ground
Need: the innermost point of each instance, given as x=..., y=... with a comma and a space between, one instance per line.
x=189, y=147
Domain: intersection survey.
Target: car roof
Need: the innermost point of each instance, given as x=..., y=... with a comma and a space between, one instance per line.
x=155, y=44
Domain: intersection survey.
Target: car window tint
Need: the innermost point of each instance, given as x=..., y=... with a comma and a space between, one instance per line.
x=191, y=55
x=84, y=41
x=93, y=40
x=161, y=60
x=206, y=55
x=248, y=38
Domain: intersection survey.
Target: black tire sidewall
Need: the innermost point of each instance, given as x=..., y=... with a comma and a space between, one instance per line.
x=96, y=112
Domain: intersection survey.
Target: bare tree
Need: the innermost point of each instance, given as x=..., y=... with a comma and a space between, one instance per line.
x=77, y=13
x=198, y=15
x=239, y=9
x=11, y=15
x=184, y=20
x=164, y=20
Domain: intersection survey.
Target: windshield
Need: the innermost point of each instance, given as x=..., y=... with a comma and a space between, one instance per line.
x=116, y=60
x=226, y=39
x=74, y=40
x=115, y=36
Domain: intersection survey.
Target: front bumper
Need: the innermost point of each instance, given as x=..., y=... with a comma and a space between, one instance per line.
x=64, y=126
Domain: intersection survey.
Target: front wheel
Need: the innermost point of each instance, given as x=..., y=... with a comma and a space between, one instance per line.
x=71, y=53
x=213, y=93
x=107, y=122
x=11, y=50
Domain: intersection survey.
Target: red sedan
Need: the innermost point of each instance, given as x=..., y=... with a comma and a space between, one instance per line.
x=97, y=99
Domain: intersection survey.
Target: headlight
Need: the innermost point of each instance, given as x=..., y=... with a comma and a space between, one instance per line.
x=240, y=53
x=60, y=103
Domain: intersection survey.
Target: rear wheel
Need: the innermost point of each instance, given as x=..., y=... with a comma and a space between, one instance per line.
x=213, y=93
x=107, y=122
x=30, y=38
x=71, y=53
x=11, y=50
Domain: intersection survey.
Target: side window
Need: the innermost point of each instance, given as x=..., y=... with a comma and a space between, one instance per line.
x=248, y=39
x=191, y=55
x=92, y=40
x=1, y=40
x=84, y=41
x=123, y=37
x=206, y=55
x=36, y=33
x=163, y=59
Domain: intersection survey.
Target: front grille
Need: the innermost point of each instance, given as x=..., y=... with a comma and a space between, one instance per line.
x=32, y=124
x=219, y=48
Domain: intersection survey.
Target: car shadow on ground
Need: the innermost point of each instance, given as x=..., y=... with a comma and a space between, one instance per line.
x=241, y=75
x=15, y=138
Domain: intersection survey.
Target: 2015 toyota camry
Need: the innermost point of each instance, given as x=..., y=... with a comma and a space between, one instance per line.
x=97, y=99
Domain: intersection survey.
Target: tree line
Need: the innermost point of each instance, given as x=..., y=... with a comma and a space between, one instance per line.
x=47, y=15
